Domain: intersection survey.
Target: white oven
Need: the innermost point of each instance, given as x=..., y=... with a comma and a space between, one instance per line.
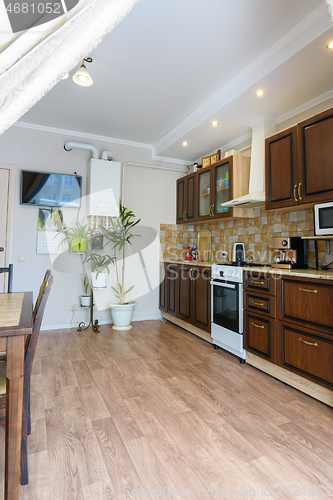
x=227, y=309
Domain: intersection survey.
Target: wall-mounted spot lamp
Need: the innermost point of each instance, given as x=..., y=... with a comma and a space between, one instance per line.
x=82, y=76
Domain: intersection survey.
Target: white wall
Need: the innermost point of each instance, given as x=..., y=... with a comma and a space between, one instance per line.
x=150, y=194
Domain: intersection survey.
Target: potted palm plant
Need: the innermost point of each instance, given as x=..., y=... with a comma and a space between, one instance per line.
x=120, y=234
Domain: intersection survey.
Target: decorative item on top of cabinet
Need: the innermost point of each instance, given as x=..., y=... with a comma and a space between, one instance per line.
x=299, y=163
x=260, y=315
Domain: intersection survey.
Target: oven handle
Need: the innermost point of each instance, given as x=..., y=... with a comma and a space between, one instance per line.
x=223, y=285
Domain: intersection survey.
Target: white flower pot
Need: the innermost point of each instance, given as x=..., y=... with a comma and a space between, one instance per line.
x=85, y=300
x=121, y=315
x=100, y=281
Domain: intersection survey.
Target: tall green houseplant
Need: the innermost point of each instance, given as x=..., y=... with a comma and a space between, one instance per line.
x=119, y=234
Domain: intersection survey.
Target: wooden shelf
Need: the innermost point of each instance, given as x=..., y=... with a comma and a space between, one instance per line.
x=317, y=237
x=222, y=189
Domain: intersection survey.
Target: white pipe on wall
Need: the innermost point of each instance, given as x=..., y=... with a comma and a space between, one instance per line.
x=107, y=155
x=145, y=166
x=80, y=145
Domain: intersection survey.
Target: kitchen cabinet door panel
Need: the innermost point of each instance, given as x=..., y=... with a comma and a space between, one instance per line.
x=306, y=301
x=185, y=211
x=301, y=351
x=180, y=200
x=163, y=286
x=172, y=289
x=190, y=198
x=316, y=156
x=185, y=293
x=201, y=298
x=259, y=335
x=281, y=169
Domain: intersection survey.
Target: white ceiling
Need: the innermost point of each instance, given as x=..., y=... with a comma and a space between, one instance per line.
x=171, y=66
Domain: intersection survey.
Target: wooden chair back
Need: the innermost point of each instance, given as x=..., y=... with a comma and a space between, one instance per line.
x=37, y=317
x=8, y=270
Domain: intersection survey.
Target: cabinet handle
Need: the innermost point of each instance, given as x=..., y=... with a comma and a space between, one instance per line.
x=210, y=211
x=257, y=282
x=299, y=190
x=257, y=303
x=295, y=187
x=310, y=291
x=308, y=343
x=213, y=210
x=257, y=326
x=191, y=276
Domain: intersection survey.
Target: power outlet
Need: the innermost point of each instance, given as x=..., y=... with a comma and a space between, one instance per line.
x=73, y=307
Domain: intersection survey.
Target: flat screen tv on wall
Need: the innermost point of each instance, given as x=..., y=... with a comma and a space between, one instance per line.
x=50, y=190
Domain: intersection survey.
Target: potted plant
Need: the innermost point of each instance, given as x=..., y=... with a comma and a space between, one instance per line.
x=100, y=265
x=85, y=299
x=82, y=238
x=77, y=236
x=120, y=234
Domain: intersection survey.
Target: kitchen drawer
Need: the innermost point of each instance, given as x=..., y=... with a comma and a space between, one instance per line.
x=260, y=282
x=262, y=304
x=302, y=351
x=259, y=335
x=308, y=302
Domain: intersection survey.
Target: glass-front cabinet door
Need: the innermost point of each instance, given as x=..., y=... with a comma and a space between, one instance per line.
x=222, y=188
x=204, y=207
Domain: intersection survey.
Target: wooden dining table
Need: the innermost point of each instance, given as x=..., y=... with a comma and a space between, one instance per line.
x=15, y=324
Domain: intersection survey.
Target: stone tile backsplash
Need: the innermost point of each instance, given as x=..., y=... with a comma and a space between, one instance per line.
x=256, y=233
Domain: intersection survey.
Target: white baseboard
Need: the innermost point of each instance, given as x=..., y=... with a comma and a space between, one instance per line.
x=103, y=322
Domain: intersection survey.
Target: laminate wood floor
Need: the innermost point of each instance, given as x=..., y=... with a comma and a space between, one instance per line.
x=118, y=413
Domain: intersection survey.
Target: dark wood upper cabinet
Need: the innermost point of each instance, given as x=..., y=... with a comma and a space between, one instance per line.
x=299, y=163
x=185, y=199
x=281, y=169
x=200, y=195
x=315, y=154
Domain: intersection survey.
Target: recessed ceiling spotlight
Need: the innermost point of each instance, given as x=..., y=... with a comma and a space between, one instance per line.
x=185, y=143
x=330, y=45
x=214, y=123
x=259, y=93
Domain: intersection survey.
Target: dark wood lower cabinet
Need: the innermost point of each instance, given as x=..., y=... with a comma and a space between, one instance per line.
x=306, y=352
x=259, y=335
x=185, y=293
x=201, y=298
x=168, y=296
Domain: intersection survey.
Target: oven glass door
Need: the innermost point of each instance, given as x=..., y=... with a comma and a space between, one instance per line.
x=226, y=305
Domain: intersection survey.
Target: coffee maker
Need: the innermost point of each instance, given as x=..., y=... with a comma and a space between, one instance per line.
x=293, y=253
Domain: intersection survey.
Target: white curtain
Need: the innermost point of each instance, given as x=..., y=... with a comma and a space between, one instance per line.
x=330, y=8
x=33, y=61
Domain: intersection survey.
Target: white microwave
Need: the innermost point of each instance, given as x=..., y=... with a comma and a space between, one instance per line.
x=323, y=219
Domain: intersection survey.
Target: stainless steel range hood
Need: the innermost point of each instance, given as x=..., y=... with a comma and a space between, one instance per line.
x=262, y=127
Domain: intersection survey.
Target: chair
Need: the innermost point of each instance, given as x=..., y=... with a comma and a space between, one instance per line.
x=8, y=270
x=30, y=349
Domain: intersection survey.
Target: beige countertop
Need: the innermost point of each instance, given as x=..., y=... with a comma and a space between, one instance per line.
x=306, y=273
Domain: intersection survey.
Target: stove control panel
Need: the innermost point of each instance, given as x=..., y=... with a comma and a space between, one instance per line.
x=228, y=273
